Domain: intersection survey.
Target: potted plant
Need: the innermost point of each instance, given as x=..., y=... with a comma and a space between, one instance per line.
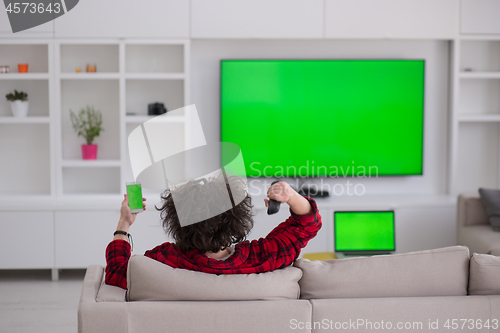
x=19, y=103
x=88, y=125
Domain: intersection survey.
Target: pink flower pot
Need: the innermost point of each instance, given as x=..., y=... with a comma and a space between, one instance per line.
x=89, y=152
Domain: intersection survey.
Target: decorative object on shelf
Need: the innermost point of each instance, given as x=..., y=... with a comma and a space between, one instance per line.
x=22, y=68
x=491, y=202
x=91, y=68
x=19, y=103
x=88, y=124
x=78, y=70
x=155, y=109
x=4, y=69
x=467, y=69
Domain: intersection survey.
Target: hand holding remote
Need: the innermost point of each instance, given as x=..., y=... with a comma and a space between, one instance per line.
x=278, y=193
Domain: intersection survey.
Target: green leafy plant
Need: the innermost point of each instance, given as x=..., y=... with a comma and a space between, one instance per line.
x=87, y=123
x=17, y=96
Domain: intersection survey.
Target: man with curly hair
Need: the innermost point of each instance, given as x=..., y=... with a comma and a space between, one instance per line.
x=218, y=244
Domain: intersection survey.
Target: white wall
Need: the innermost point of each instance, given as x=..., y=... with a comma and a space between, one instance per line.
x=206, y=55
x=416, y=228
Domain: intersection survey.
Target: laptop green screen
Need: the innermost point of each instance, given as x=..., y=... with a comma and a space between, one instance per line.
x=364, y=231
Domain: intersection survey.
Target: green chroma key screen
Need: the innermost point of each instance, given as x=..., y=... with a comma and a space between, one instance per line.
x=330, y=117
x=134, y=193
x=364, y=231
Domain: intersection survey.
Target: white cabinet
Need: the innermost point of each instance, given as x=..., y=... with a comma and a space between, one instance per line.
x=81, y=237
x=257, y=19
x=116, y=18
x=425, y=228
x=27, y=240
x=480, y=17
x=426, y=19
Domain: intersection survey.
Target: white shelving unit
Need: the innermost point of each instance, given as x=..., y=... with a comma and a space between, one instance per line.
x=475, y=118
x=24, y=76
x=47, y=189
x=130, y=75
x=91, y=164
x=27, y=120
x=27, y=166
x=76, y=90
x=142, y=119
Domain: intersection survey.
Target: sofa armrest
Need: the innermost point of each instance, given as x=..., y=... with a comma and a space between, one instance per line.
x=91, y=283
x=470, y=210
x=96, y=316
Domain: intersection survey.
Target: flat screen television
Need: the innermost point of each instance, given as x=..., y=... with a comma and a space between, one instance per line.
x=364, y=232
x=336, y=118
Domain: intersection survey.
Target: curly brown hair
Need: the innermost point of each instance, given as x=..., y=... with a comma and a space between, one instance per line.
x=212, y=234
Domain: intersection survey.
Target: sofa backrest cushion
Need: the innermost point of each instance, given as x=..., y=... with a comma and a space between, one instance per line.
x=109, y=293
x=484, y=276
x=470, y=210
x=151, y=280
x=495, y=250
x=491, y=202
x=440, y=272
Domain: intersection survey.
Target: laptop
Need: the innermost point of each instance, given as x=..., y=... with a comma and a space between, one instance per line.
x=364, y=232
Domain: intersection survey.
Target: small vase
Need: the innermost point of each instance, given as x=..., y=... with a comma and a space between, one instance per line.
x=22, y=68
x=89, y=152
x=20, y=108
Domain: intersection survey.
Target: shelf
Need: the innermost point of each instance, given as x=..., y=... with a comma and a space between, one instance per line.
x=112, y=201
x=101, y=179
x=90, y=163
x=26, y=162
x=480, y=37
x=38, y=96
x=143, y=119
x=104, y=56
x=70, y=202
x=479, y=97
x=155, y=76
x=375, y=202
x=32, y=52
x=141, y=92
x=104, y=95
x=479, y=118
x=154, y=58
x=90, y=76
x=477, y=159
x=26, y=120
x=482, y=57
x=24, y=76
x=479, y=75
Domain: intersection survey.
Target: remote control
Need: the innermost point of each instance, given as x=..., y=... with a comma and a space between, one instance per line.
x=274, y=206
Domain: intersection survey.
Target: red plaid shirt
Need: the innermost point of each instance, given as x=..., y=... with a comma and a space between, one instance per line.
x=279, y=249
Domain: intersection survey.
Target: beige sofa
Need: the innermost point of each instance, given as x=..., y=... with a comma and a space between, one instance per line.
x=473, y=228
x=409, y=292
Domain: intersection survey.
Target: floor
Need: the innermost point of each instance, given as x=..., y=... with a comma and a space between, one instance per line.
x=31, y=302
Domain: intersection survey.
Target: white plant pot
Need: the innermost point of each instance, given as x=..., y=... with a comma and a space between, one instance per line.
x=20, y=108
